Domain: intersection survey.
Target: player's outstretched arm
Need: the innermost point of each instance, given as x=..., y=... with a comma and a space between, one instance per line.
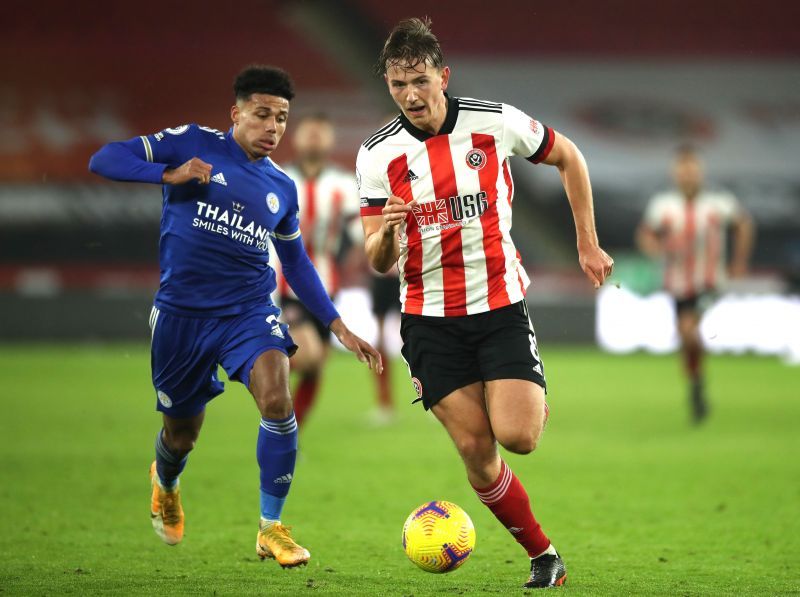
x=127, y=161
x=565, y=156
x=380, y=233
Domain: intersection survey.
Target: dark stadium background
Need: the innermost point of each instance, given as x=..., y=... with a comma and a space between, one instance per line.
x=78, y=255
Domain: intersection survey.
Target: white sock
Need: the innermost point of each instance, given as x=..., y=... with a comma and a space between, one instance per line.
x=267, y=522
x=550, y=551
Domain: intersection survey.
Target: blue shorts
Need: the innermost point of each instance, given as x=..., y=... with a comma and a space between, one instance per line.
x=186, y=351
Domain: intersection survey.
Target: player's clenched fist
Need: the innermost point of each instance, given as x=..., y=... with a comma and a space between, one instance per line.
x=194, y=169
x=395, y=211
x=595, y=263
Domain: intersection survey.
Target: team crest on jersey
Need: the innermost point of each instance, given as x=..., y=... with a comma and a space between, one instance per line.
x=272, y=203
x=417, y=387
x=476, y=158
x=178, y=130
x=165, y=400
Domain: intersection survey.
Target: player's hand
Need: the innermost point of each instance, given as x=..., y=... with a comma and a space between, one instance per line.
x=194, y=169
x=363, y=350
x=395, y=212
x=595, y=263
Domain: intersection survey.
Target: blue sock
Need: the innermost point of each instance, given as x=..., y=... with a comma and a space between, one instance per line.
x=276, y=453
x=168, y=464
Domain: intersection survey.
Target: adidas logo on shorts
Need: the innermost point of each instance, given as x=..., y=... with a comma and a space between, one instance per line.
x=287, y=478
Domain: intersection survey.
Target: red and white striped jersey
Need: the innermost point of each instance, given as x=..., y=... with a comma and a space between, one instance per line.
x=327, y=203
x=456, y=253
x=694, y=235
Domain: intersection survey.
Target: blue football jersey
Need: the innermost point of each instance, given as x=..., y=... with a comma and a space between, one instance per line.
x=214, y=243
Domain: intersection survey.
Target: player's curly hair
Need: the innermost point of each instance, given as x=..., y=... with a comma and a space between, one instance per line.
x=410, y=44
x=258, y=78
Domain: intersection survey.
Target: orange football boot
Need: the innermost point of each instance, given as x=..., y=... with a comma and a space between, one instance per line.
x=166, y=512
x=274, y=541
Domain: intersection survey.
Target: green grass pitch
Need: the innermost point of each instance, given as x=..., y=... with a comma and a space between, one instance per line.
x=638, y=501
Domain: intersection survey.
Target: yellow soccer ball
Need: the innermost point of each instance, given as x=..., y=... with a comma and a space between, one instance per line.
x=438, y=536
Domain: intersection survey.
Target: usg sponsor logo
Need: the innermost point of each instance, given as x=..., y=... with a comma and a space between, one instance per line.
x=452, y=209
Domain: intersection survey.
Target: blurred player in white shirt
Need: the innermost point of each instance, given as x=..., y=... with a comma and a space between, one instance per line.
x=328, y=200
x=687, y=229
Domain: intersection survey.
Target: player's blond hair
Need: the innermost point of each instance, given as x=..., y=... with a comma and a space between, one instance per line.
x=410, y=44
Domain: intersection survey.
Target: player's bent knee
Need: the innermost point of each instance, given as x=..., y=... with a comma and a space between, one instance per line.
x=276, y=404
x=520, y=446
x=182, y=443
x=520, y=442
x=475, y=449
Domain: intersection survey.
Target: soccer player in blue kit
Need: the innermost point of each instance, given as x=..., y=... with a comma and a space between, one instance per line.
x=223, y=198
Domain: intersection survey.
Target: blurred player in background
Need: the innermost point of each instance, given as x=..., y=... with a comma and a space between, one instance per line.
x=328, y=199
x=436, y=194
x=385, y=293
x=223, y=197
x=686, y=228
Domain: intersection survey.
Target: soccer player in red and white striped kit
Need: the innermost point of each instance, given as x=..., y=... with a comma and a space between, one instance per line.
x=328, y=200
x=687, y=227
x=436, y=197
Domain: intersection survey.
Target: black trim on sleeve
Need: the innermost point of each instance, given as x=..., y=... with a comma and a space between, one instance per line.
x=544, y=147
x=373, y=202
x=372, y=206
